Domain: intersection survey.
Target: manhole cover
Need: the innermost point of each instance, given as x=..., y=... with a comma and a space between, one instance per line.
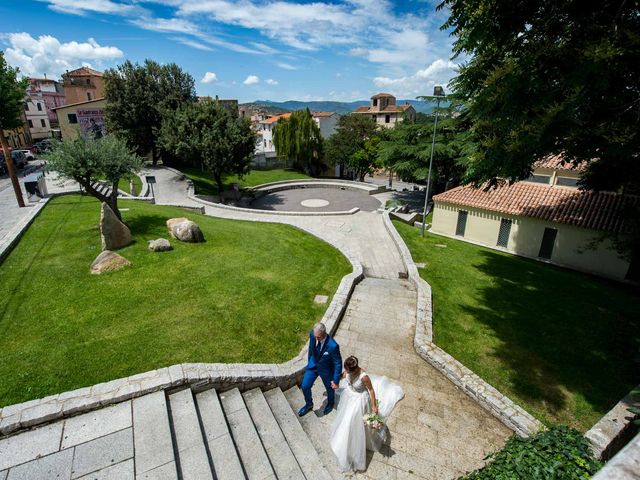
x=314, y=203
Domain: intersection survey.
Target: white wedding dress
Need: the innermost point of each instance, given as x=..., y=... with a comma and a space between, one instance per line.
x=350, y=437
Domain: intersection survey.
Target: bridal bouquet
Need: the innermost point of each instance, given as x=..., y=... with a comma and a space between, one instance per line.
x=373, y=420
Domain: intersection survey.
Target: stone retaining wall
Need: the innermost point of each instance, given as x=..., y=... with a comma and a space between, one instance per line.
x=613, y=430
x=198, y=376
x=272, y=187
x=625, y=465
x=502, y=407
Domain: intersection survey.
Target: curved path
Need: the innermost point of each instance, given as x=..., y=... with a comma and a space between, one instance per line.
x=437, y=431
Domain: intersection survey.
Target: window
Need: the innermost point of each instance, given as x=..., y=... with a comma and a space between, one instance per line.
x=43, y=123
x=503, y=233
x=39, y=106
x=265, y=143
x=567, y=182
x=462, y=223
x=373, y=117
x=88, y=95
x=548, y=240
x=73, y=118
x=387, y=118
x=540, y=178
x=375, y=102
x=88, y=80
x=26, y=107
x=30, y=124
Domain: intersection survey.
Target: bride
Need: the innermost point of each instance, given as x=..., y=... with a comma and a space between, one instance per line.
x=363, y=394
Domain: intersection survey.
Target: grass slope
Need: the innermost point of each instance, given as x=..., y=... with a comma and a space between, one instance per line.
x=124, y=185
x=205, y=185
x=562, y=344
x=246, y=295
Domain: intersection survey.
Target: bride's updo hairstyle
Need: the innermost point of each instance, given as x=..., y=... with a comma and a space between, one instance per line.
x=351, y=364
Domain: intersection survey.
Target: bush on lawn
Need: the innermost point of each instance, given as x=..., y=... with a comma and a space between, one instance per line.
x=558, y=453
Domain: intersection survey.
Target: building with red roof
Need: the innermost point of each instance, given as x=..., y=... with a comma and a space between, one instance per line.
x=545, y=217
x=384, y=111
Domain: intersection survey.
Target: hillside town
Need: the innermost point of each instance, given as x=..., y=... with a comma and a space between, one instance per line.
x=419, y=259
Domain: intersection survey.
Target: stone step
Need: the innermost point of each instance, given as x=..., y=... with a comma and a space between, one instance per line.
x=252, y=453
x=300, y=444
x=282, y=459
x=193, y=461
x=152, y=440
x=317, y=429
x=226, y=462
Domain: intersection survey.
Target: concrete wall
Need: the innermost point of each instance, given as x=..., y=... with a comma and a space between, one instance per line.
x=570, y=247
x=37, y=117
x=327, y=125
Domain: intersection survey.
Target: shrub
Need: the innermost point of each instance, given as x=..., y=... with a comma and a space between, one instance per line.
x=558, y=453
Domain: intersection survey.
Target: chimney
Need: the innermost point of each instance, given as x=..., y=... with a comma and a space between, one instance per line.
x=45, y=76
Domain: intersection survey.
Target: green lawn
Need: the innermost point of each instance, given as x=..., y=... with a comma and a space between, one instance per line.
x=205, y=185
x=124, y=185
x=246, y=295
x=562, y=344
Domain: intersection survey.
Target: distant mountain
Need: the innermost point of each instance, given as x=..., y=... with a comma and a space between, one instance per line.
x=341, y=108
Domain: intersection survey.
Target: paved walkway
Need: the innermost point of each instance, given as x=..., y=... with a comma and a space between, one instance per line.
x=438, y=432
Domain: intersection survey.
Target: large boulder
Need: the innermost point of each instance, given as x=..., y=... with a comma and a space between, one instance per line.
x=108, y=261
x=159, y=245
x=114, y=233
x=185, y=230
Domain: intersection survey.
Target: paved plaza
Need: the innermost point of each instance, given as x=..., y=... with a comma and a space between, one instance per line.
x=316, y=200
x=438, y=432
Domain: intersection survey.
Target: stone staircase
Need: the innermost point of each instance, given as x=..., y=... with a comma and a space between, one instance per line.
x=231, y=435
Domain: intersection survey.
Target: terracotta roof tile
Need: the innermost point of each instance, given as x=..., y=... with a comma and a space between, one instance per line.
x=82, y=71
x=361, y=110
x=275, y=118
x=382, y=94
x=323, y=114
x=593, y=210
x=558, y=162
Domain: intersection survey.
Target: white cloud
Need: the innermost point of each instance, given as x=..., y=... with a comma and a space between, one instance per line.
x=209, y=77
x=286, y=66
x=90, y=6
x=47, y=54
x=172, y=25
x=192, y=43
x=271, y=81
x=438, y=72
x=251, y=80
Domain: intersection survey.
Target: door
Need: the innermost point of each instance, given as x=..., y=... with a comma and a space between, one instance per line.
x=548, y=241
x=462, y=223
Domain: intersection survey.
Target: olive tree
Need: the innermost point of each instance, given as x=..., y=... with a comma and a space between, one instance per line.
x=87, y=161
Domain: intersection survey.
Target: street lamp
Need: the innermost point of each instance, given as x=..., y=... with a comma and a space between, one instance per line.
x=438, y=93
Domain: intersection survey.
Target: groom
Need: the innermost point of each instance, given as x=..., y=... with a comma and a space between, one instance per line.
x=324, y=361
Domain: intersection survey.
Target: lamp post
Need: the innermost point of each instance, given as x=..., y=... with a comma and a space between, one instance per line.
x=438, y=92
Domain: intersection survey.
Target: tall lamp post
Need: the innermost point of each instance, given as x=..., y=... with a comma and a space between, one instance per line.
x=438, y=93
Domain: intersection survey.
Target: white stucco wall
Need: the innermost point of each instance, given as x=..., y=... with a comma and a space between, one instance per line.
x=570, y=247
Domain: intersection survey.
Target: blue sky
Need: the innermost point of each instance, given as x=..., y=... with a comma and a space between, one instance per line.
x=246, y=49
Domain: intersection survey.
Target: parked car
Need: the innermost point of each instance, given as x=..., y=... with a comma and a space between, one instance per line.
x=19, y=159
x=27, y=153
x=3, y=167
x=42, y=146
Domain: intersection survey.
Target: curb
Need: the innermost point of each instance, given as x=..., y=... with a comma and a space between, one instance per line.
x=499, y=405
x=14, y=235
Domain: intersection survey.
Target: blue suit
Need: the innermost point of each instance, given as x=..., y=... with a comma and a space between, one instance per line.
x=325, y=363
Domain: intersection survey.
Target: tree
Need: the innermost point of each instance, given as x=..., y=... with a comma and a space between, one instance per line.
x=365, y=159
x=406, y=149
x=350, y=137
x=138, y=96
x=12, y=93
x=209, y=135
x=87, y=161
x=551, y=78
x=298, y=138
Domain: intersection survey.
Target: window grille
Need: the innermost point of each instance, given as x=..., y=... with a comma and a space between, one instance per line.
x=462, y=223
x=504, y=232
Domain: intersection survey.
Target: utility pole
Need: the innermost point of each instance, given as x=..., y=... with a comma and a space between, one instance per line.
x=11, y=168
x=438, y=92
